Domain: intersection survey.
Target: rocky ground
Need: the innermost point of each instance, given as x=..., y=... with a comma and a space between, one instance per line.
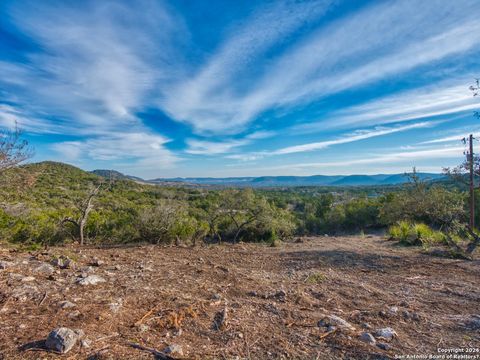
x=317, y=298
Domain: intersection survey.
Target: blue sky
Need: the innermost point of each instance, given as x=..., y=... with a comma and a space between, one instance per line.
x=241, y=88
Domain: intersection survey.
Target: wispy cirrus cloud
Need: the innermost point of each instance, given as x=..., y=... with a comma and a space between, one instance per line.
x=202, y=147
x=205, y=147
x=94, y=72
x=352, y=137
x=212, y=101
x=356, y=135
x=95, y=67
x=116, y=61
x=443, y=98
x=372, y=44
x=398, y=157
x=446, y=139
x=10, y=117
x=127, y=150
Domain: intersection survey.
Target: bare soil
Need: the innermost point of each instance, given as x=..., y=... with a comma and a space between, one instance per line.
x=157, y=296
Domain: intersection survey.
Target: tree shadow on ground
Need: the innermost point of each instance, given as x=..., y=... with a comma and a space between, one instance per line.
x=342, y=259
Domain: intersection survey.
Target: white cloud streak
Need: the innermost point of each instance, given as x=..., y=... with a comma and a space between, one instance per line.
x=394, y=158
x=142, y=147
x=208, y=101
x=357, y=135
x=201, y=147
x=205, y=147
x=99, y=64
x=430, y=101
x=114, y=59
x=377, y=42
x=352, y=137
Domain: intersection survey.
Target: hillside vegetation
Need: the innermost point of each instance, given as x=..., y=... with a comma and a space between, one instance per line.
x=36, y=206
x=44, y=194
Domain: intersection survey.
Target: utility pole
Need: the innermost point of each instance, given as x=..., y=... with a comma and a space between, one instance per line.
x=472, y=185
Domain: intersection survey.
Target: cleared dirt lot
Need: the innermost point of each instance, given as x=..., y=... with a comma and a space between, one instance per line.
x=159, y=296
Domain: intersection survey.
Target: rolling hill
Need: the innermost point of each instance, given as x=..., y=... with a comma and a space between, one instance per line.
x=315, y=180
x=71, y=174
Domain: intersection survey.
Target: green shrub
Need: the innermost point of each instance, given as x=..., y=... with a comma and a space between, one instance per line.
x=408, y=233
x=315, y=278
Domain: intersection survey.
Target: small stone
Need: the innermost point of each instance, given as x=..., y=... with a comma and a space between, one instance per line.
x=386, y=333
x=66, y=304
x=279, y=295
x=97, y=262
x=15, y=276
x=216, y=297
x=366, y=326
x=85, y=343
x=28, y=279
x=62, y=262
x=220, y=320
x=252, y=293
x=174, y=350
x=115, y=306
x=75, y=314
x=5, y=265
x=117, y=267
x=87, y=269
x=223, y=268
x=25, y=292
x=61, y=340
x=473, y=322
x=384, y=346
x=393, y=310
x=332, y=321
x=45, y=269
x=80, y=333
x=367, y=338
x=90, y=280
x=143, y=328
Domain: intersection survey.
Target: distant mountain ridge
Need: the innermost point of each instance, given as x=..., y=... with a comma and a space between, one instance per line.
x=314, y=180
x=276, y=181
x=70, y=174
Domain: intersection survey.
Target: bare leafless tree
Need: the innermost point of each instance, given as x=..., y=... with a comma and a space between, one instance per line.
x=84, y=207
x=13, y=149
x=156, y=223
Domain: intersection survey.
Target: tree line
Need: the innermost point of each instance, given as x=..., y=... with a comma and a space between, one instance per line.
x=50, y=203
